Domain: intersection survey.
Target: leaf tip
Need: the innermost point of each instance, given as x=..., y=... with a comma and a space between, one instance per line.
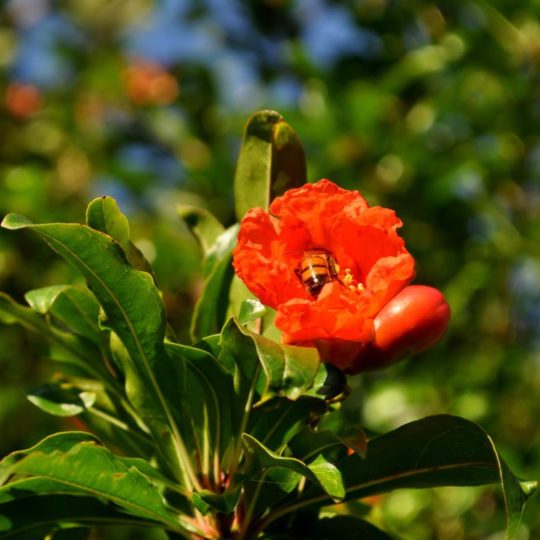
x=15, y=221
x=529, y=486
x=261, y=123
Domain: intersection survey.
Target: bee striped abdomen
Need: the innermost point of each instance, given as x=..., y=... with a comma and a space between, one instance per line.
x=316, y=269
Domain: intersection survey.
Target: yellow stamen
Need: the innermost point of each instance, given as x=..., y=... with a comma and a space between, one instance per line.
x=360, y=287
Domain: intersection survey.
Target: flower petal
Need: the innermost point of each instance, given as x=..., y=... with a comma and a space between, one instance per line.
x=260, y=258
x=389, y=275
x=316, y=205
x=336, y=313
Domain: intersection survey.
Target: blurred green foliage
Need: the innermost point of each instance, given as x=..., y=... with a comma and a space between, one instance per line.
x=430, y=108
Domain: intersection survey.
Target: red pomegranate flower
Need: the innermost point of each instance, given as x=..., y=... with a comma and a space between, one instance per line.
x=328, y=263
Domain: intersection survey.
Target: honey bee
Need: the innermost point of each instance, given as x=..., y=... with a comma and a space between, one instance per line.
x=316, y=269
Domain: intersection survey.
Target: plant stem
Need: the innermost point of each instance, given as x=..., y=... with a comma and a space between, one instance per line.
x=251, y=508
x=235, y=461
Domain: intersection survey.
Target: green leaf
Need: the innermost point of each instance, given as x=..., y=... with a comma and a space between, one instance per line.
x=250, y=310
x=136, y=314
x=71, y=533
x=222, y=502
x=35, y=485
x=113, y=420
x=18, y=523
x=329, y=383
x=74, y=306
x=239, y=294
x=320, y=471
x=103, y=214
x=220, y=250
x=289, y=169
x=41, y=300
x=434, y=451
x=68, y=347
x=211, y=308
x=16, y=221
x=61, y=399
x=77, y=461
x=210, y=404
x=271, y=161
x=346, y=528
x=277, y=421
x=287, y=370
x=202, y=224
x=309, y=443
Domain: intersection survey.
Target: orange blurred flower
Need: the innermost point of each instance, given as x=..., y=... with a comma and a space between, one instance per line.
x=147, y=83
x=22, y=100
x=328, y=263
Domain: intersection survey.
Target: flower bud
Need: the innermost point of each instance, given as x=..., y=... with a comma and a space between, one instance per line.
x=413, y=321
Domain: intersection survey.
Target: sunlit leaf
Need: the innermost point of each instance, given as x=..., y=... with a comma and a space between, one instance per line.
x=211, y=308
x=104, y=215
x=204, y=225
x=271, y=161
x=74, y=306
x=286, y=369
x=69, y=458
x=136, y=314
x=279, y=469
x=209, y=403
x=61, y=399
x=251, y=310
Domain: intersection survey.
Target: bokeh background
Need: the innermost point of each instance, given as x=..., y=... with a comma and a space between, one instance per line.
x=431, y=108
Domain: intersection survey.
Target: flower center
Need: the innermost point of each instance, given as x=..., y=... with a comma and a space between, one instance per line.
x=347, y=279
x=317, y=268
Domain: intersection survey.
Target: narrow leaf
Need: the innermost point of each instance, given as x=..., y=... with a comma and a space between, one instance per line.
x=203, y=225
x=218, y=395
x=289, y=168
x=271, y=160
x=220, y=249
x=211, y=308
